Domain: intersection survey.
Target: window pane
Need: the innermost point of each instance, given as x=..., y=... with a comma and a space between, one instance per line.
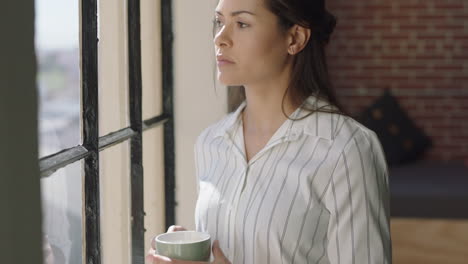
x=58, y=79
x=113, y=66
x=114, y=169
x=62, y=215
x=151, y=59
x=153, y=171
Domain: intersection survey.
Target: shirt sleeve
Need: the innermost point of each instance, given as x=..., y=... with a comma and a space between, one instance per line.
x=358, y=201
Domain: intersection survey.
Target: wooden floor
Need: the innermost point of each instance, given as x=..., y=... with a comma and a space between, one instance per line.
x=425, y=241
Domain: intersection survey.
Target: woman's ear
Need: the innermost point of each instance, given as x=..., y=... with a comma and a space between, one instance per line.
x=298, y=38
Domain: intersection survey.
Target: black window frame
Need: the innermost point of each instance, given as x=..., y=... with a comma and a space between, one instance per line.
x=92, y=144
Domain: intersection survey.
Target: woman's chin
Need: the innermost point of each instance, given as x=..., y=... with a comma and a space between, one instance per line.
x=225, y=80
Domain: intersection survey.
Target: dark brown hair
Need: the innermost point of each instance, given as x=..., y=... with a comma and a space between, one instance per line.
x=309, y=72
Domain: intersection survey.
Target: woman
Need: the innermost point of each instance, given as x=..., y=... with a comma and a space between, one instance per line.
x=287, y=178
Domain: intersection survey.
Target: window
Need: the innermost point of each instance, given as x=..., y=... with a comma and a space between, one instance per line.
x=57, y=49
x=79, y=165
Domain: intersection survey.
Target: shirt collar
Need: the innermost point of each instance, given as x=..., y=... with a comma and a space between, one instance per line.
x=231, y=120
x=319, y=124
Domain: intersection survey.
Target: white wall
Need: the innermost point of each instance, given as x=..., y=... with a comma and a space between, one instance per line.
x=196, y=103
x=114, y=163
x=153, y=141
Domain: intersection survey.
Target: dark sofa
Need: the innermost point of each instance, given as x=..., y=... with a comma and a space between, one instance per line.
x=429, y=189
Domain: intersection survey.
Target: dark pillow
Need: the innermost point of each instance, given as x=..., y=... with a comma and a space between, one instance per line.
x=401, y=140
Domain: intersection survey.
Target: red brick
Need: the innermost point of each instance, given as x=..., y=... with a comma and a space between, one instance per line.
x=449, y=47
x=396, y=17
x=449, y=27
x=341, y=27
x=460, y=78
x=430, y=57
x=460, y=57
x=358, y=57
x=430, y=36
x=416, y=7
x=358, y=17
x=377, y=67
x=461, y=17
x=436, y=58
x=413, y=27
x=344, y=67
x=432, y=17
x=431, y=47
x=377, y=7
x=375, y=47
x=394, y=57
x=359, y=37
x=448, y=6
x=397, y=36
x=432, y=77
x=413, y=67
x=377, y=27
x=353, y=77
x=449, y=67
x=393, y=78
x=460, y=37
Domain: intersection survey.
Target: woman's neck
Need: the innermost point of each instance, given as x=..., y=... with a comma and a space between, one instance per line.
x=263, y=112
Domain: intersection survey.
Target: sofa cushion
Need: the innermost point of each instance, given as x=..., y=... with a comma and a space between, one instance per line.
x=401, y=139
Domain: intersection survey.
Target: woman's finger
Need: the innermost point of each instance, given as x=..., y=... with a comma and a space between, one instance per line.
x=218, y=254
x=153, y=243
x=149, y=259
x=158, y=259
x=175, y=228
x=149, y=256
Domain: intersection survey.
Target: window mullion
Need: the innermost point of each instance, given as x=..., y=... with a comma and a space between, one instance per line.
x=136, y=123
x=90, y=125
x=168, y=109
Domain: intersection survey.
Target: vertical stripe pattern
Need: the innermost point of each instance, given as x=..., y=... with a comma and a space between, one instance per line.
x=316, y=193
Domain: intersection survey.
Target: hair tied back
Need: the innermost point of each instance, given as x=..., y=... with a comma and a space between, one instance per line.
x=326, y=27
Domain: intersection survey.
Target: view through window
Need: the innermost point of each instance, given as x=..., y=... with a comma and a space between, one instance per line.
x=58, y=82
x=58, y=55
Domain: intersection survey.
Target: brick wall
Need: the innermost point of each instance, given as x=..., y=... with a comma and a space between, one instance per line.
x=418, y=49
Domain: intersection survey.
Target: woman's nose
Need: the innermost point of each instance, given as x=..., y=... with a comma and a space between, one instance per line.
x=222, y=37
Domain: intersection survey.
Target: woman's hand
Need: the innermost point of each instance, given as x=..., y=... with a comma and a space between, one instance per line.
x=48, y=253
x=175, y=228
x=153, y=258
x=218, y=255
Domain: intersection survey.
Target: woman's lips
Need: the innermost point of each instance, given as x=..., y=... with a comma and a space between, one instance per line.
x=224, y=62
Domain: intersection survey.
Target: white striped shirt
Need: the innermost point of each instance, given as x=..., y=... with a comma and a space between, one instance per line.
x=316, y=193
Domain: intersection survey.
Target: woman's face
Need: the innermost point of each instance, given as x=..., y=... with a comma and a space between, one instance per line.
x=248, y=35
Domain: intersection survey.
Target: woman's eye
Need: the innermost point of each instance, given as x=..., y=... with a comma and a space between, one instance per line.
x=242, y=25
x=217, y=22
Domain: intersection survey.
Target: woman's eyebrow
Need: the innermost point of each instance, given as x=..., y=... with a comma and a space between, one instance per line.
x=235, y=13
